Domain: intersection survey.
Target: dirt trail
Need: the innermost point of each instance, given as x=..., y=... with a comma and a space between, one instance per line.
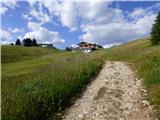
x=116, y=94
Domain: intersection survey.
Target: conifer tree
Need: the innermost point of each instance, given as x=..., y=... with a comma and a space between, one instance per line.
x=27, y=42
x=34, y=43
x=155, y=33
x=18, y=42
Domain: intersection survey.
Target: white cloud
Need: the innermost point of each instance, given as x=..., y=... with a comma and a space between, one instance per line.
x=16, y=30
x=32, y=2
x=116, y=28
x=154, y=7
x=98, y=13
x=138, y=12
x=6, y=4
x=3, y=10
x=75, y=14
x=117, y=32
x=27, y=17
x=40, y=14
x=5, y=37
x=99, y=22
x=65, y=11
x=41, y=34
x=68, y=15
x=37, y=11
x=71, y=13
x=20, y=37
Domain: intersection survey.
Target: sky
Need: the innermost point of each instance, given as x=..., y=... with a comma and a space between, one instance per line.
x=68, y=22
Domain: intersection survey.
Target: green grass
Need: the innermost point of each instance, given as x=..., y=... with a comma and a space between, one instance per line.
x=39, y=82
x=146, y=59
x=37, y=86
x=17, y=53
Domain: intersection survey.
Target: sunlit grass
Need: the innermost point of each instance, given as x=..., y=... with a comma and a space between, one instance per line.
x=39, y=82
x=36, y=88
x=18, y=53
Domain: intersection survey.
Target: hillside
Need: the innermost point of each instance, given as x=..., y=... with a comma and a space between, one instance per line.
x=38, y=82
x=146, y=61
x=19, y=53
x=117, y=91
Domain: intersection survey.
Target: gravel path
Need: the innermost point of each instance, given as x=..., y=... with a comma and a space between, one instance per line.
x=116, y=94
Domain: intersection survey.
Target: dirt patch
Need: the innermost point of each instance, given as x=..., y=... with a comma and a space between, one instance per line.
x=100, y=93
x=114, y=95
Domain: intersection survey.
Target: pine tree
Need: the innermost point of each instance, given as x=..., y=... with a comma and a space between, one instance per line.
x=18, y=42
x=34, y=42
x=155, y=33
x=27, y=42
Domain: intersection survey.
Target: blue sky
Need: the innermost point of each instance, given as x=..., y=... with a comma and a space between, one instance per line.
x=68, y=23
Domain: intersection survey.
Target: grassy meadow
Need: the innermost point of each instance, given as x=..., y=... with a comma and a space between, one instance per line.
x=38, y=82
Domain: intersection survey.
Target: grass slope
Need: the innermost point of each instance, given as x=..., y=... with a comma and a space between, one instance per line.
x=38, y=82
x=19, y=53
x=146, y=59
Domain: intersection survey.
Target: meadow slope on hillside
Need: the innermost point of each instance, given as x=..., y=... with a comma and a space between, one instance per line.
x=146, y=61
x=39, y=82
x=43, y=83
x=18, y=53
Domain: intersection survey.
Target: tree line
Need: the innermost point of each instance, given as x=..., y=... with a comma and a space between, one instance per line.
x=26, y=42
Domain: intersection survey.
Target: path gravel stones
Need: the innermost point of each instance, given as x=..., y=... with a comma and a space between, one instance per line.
x=116, y=94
